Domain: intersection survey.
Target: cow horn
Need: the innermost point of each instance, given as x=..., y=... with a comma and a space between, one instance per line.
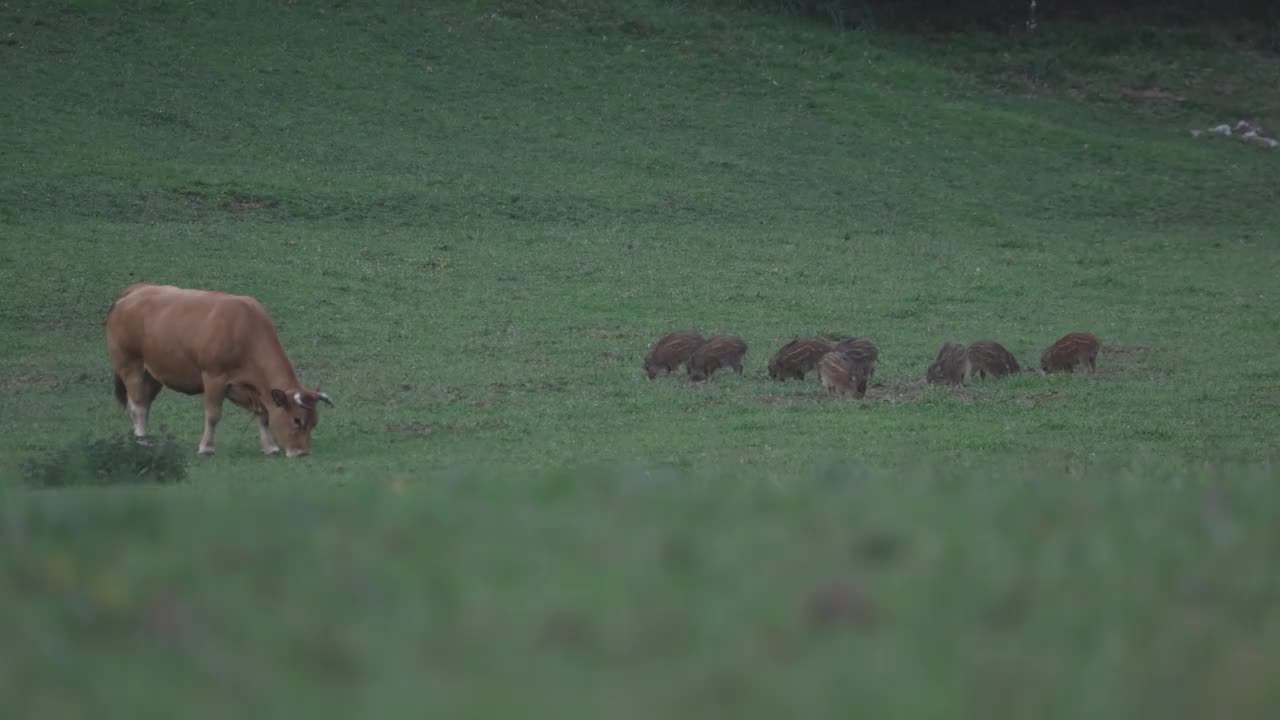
x=297, y=397
x=325, y=398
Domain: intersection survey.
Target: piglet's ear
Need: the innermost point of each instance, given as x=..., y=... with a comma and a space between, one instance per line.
x=280, y=398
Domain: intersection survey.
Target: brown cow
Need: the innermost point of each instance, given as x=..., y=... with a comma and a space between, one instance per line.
x=210, y=343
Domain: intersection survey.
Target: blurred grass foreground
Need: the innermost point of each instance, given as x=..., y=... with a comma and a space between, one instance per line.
x=1101, y=592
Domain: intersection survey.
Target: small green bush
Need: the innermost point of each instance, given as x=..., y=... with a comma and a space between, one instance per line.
x=108, y=461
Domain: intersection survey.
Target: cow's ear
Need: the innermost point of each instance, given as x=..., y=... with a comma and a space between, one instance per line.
x=280, y=398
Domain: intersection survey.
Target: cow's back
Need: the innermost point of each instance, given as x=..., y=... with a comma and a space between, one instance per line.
x=177, y=333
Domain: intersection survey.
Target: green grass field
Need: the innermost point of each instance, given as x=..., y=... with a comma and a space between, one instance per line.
x=470, y=221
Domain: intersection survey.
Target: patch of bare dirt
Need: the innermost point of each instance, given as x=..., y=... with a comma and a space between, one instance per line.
x=1110, y=371
x=895, y=393
x=1151, y=93
x=1038, y=398
x=1125, y=349
x=778, y=400
x=966, y=393
x=876, y=392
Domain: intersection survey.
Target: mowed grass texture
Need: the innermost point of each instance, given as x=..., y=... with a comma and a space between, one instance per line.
x=471, y=220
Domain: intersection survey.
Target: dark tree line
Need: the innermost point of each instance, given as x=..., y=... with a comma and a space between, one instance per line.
x=1011, y=14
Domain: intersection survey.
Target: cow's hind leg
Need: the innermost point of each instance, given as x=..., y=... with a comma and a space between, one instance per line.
x=140, y=389
x=214, y=392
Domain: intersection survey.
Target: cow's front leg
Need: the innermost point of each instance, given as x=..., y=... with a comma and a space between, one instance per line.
x=214, y=391
x=265, y=439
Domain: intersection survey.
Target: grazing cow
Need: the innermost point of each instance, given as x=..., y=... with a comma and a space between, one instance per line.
x=222, y=346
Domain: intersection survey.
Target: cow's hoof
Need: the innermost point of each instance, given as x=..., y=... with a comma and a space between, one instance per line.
x=205, y=451
x=143, y=440
x=271, y=451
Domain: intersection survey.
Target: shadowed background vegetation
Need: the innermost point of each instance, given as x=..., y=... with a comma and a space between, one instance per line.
x=470, y=220
x=1260, y=16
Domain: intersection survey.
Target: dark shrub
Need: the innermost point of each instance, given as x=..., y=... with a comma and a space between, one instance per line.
x=108, y=461
x=1008, y=14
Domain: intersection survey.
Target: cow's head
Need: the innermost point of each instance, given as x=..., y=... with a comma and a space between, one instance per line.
x=293, y=417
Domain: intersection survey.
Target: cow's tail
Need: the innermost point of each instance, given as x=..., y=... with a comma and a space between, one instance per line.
x=122, y=395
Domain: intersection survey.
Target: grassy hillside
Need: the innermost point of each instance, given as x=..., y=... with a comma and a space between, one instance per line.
x=474, y=219
x=470, y=220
